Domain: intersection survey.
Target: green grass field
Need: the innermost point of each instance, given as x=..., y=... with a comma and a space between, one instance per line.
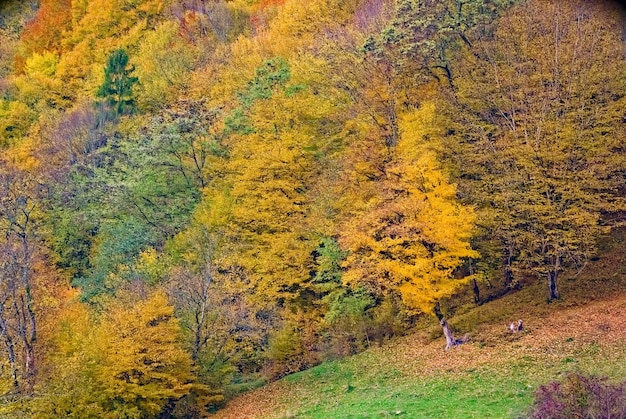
x=392, y=394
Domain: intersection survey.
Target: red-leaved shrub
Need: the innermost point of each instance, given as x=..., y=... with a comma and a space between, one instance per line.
x=578, y=396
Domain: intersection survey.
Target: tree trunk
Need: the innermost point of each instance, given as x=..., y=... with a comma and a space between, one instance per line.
x=475, y=288
x=12, y=365
x=507, y=262
x=448, y=334
x=29, y=369
x=553, y=292
x=29, y=324
x=476, y=292
x=10, y=347
x=553, y=276
x=508, y=276
x=450, y=340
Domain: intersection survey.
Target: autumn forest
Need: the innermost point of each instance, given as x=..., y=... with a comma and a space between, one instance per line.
x=198, y=196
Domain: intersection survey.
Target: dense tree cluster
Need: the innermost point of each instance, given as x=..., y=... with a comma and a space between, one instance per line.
x=197, y=195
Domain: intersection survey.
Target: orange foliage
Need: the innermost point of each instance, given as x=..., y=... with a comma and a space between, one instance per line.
x=264, y=10
x=268, y=3
x=45, y=31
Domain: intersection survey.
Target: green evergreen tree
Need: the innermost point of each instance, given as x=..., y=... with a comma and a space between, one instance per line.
x=117, y=88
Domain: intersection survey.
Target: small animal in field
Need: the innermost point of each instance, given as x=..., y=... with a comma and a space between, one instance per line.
x=516, y=327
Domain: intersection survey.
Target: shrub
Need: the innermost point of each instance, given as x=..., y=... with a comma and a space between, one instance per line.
x=578, y=396
x=291, y=349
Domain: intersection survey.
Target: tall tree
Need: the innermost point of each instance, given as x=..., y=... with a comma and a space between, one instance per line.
x=18, y=324
x=126, y=361
x=141, y=364
x=539, y=108
x=117, y=87
x=413, y=234
x=219, y=325
x=272, y=168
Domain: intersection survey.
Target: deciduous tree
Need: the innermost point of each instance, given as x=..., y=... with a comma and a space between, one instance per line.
x=141, y=363
x=18, y=323
x=414, y=234
x=542, y=100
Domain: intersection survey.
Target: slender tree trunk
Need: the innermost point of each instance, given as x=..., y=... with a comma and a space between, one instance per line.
x=447, y=333
x=450, y=340
x=438, y=312
x=553, y=292
x=508, y=276
x=476, y=291
x=475, y=288
x=30, y=366
x=508, y=271
x=553, y=276
x=198, y=339
x=10, y=348
x=29, y=334
x=11, y=355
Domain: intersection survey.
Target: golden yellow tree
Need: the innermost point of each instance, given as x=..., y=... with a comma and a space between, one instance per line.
x=412, y=236
x=68, y=386
x=273, y=152
x=141, y=365
x=164, y=61
x=127, y=361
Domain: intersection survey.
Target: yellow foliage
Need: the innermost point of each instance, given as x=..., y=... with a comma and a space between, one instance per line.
x=44, y=64
x=39, y=83
x=79, y=9
x=130, y=364
x=141, y=363
x=15, y=119
x=298, y=24
x=150, y=264
x=292, y=32
x=245, y=58
x=163, y=62
x=414, y=234
x=275, y=167
x=22, y=155
x=210, y=223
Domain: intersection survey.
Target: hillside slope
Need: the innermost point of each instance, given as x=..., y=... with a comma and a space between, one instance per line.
x=493, y=376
